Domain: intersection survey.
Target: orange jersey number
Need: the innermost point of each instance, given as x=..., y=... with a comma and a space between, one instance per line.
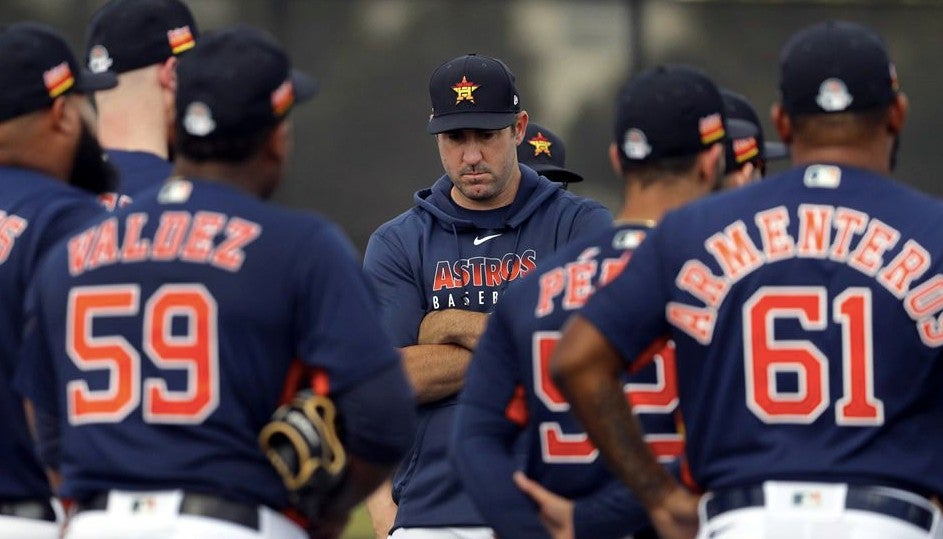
x=194, y=351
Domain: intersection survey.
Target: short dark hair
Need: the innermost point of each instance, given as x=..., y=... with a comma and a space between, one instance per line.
x=840, y=125
x=653, y=171
x=229, y=149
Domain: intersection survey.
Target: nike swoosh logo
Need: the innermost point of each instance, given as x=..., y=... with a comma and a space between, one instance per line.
x=479, y=241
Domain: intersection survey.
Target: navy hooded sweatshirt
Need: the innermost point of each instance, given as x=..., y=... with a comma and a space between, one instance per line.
x=436, y=256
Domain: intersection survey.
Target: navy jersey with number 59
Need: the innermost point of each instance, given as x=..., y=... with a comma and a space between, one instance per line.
x=509, y=399
x=165, y=334
x=807, y=314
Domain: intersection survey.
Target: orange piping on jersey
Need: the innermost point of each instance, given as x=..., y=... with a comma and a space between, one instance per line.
x=516, y=411
x=648, y=355
x=320, y=382
x=293, y=379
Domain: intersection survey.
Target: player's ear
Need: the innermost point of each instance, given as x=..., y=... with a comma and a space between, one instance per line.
x=167, y=74
x=781, y=122
x=615, y=161
x=710, y=166
x=520, y=127
x=897, y=113
x=278, y=146
x=64, y=116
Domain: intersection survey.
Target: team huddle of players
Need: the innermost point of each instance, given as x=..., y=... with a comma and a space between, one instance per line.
x=725, y=358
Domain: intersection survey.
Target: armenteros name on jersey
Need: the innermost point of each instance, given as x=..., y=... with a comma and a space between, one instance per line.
x=825, y=232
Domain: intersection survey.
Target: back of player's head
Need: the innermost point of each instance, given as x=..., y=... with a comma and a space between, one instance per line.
x=833, y=67
x=37, y=66
x=232, y=90
x=544, y=151
x=669, y=113
x=124, y=35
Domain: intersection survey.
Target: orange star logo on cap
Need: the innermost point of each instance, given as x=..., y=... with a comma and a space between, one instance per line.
x=464, y=91
x=541, y=144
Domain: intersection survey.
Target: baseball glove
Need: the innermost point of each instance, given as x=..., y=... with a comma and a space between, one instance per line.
x=303, y=444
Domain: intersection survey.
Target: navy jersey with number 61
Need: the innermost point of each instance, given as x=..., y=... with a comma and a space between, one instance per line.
x=164, y=335
x=509, y=401
x=808, y=317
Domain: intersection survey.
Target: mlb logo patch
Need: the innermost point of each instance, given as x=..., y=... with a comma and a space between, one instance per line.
x=822, y=176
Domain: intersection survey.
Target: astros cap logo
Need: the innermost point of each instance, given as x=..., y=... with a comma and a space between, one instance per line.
x=58, y=79
x=465, y=91
x=833, y=95
x=541, y=144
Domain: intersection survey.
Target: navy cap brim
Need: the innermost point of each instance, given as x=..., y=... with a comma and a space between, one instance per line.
x=94, y=82
x=557, y=174
x=304, y=85
x=470, y=120
x=775, y=150
x=737, y=129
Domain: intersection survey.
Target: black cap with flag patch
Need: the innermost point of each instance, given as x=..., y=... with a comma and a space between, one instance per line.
x=130, y=34
x=237, y=81
x=543, y=151
x=835, y=66
x=37, y=66
x=668, y=111
x=472, y=92
x=752, y=146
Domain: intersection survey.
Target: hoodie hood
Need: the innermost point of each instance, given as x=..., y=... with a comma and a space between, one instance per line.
x=531, y=193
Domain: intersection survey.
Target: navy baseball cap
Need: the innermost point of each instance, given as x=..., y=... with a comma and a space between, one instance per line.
x=835, y=66
x=753, y=146
x=37, y=66
x=124, y=35
x=543, y=151
x=472, y=92
x=669, y=111
x=238, y=81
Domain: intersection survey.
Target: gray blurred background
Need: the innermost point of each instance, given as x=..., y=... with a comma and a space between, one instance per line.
x=361, y=146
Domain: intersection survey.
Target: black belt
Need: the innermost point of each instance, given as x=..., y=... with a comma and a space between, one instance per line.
x=205, y=505
x=871, y=499
x=34, y=509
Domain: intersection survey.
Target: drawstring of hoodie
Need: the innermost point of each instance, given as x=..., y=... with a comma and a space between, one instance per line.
x=505, y=282
x=458, y=251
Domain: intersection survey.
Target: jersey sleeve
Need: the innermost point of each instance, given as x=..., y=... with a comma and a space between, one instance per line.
x=611, y=511
x=592, y=218
x=483, y=437
x=400, y=298
x=336, y=322
x=35, y=376
x=630, y=310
